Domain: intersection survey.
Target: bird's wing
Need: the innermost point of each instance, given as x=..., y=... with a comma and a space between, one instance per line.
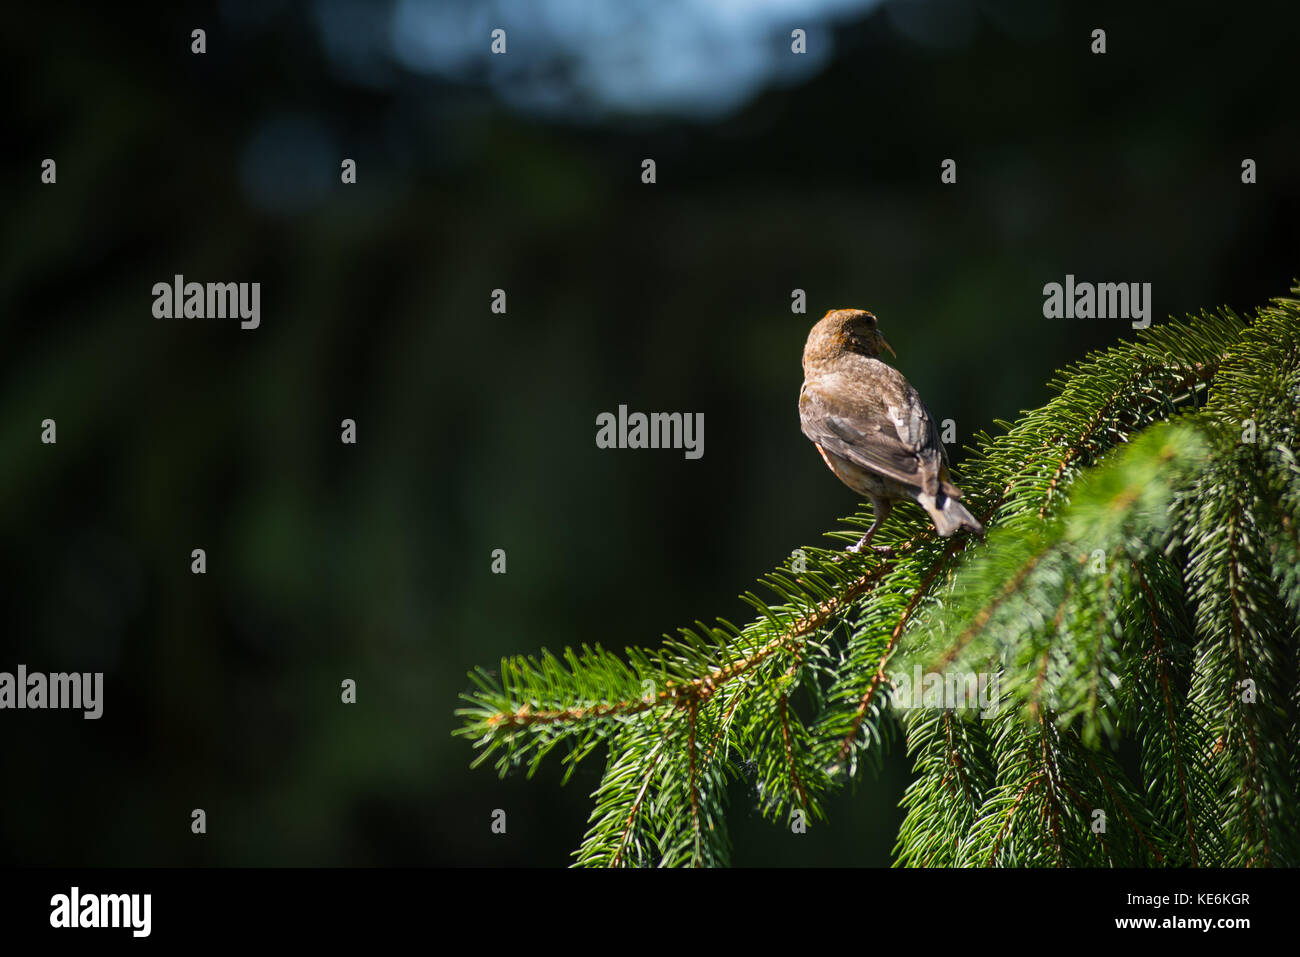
x=873, y=418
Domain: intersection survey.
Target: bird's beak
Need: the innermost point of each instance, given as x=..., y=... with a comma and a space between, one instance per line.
x=880, y=340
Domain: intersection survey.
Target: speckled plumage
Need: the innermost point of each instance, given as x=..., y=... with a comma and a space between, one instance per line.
x=870, y=425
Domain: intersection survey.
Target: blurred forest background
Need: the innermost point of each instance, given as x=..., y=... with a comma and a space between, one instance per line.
x=476, y=431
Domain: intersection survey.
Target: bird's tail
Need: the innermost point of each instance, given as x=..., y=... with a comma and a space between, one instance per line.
x=949, y=515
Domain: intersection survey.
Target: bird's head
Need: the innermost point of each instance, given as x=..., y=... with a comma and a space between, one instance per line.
x=845, y=330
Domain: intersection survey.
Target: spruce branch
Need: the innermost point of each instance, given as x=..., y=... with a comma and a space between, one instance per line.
x=1138, y=588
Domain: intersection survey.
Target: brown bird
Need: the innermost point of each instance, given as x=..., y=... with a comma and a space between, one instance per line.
x=871, y=427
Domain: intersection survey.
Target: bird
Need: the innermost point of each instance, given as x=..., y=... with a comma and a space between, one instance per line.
x=871, y=427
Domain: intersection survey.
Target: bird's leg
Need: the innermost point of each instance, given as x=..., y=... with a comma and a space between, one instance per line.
x=880, y=509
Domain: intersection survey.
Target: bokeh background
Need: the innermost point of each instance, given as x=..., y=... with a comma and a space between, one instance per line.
x=476, y=431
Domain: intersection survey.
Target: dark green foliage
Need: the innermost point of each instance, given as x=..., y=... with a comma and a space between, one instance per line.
x=1137, y=593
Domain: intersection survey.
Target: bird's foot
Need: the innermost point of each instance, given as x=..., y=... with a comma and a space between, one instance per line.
x=884, y=551
x=878, y=549
x=863, y=543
